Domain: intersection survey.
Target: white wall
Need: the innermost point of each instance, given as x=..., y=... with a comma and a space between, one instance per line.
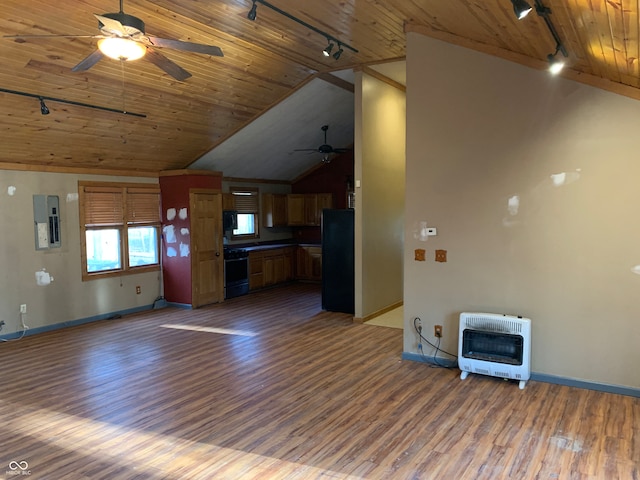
x=380, y=129
x=67, y=298
x=482, y=131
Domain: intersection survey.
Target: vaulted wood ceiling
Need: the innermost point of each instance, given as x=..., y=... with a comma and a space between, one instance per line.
x=264, y=62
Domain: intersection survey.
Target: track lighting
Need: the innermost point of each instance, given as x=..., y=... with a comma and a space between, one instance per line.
x=332, y=40
x=555, y=64
x=339, y=52
x=252, y=13
x=44, y=110
x=521, y=8
x=327, y=51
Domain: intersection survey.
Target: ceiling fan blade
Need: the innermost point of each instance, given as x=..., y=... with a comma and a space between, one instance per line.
x=167, y=65
x=112, y=25
x=88, y=62
x=340, y=150
x=306, y=150
x=186, y=46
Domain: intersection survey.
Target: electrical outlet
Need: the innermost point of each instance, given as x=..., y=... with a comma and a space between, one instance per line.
x=441, y=255
x=23, y=308
x=437, y=331
x=419, y=325
x=138, y=290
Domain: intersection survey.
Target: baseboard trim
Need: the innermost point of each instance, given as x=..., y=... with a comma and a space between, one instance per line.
x=572, y=382
x=73, y=323
x=539, y=377
x=438, y=361
x=382, y=311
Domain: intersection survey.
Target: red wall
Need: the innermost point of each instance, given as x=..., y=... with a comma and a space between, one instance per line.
x=176, y=270
x=328, y=178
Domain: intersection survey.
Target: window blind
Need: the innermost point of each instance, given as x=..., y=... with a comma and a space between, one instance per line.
x=246, y=201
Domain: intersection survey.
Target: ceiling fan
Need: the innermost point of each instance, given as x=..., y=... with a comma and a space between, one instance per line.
x=122, y=37
x=325, y=149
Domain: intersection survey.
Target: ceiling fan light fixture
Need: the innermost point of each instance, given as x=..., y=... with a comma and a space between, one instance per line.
x=122, y=48
x=521, y=8
x=253, y=12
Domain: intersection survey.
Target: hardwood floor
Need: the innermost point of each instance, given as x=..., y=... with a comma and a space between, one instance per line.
x=270, y=386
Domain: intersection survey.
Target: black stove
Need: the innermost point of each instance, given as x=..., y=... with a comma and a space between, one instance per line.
x=236, y=272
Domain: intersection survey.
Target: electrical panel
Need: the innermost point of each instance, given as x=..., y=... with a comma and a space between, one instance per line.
x=46, y=218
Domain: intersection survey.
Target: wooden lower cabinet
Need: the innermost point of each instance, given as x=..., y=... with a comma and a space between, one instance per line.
x=270, y=267
x=309, y=263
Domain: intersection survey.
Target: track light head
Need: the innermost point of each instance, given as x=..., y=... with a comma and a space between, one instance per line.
x=338, y=53
x=44, y=110
x=253, y=12
x=555, y=64
x=327, y=51
x=521, y=8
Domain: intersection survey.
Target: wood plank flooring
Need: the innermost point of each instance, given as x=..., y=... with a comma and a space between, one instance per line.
x=269, y=386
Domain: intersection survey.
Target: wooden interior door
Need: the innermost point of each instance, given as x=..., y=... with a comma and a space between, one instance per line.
x=207, y=263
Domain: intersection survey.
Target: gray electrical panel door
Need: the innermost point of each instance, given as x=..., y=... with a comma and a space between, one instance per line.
x=46, y=218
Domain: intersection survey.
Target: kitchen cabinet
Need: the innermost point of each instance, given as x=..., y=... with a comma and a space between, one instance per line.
x=228, y=202
x=305, y=209
x=256, y=271
x=295, y=209
x=270, y=267
x=274, y=209
x=309, y=263
x=324, y=200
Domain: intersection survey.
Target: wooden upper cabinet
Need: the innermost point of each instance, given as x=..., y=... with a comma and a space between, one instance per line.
x=228, y=202
x=274, y=210
x=311, y=209
x=295, y=209
x=324, y=200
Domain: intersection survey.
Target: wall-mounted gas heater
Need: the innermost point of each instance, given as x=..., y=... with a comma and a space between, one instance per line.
x=496, y=345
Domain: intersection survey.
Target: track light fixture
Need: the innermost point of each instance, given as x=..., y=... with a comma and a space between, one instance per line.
x=521, y=8
x=44, y=110
x=339, y=52
x=327, y=51
x=332, y=40
x=555, y=64
x=252, y=13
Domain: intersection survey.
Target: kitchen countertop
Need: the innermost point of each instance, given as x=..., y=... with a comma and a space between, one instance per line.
x=270, y=246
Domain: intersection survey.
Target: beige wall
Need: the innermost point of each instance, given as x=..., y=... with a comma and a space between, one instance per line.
x=380, y=127
x=532, y=183
x=67, y=298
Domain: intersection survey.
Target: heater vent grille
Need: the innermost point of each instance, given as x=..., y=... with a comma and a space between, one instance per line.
x=491, y=323
x=496, y=345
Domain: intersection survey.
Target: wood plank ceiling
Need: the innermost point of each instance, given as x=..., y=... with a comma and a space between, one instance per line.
x=264, y=62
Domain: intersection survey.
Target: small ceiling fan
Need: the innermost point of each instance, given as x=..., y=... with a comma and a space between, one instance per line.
x=122, y=37
x=325, y=148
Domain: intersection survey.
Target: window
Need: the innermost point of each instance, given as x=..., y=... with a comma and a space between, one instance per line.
x=120, y=225
x=246, y=204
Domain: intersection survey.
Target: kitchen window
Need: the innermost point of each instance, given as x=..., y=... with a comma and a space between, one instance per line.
x=247, y=205
x=120, y=228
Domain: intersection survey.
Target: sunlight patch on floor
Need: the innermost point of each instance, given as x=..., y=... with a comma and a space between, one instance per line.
x=224, y=331
x=146, y=453
x=393, y=319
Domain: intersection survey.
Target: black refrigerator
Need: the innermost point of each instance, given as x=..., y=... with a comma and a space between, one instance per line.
x=338, y=261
